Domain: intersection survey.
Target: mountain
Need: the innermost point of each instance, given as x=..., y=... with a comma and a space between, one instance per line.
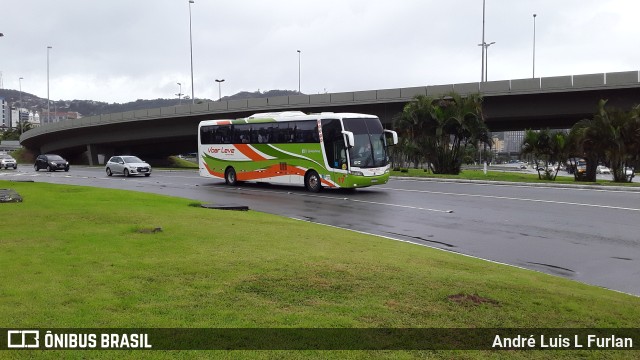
x=91, y=107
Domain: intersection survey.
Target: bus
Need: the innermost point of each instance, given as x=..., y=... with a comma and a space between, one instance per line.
x=324, y=150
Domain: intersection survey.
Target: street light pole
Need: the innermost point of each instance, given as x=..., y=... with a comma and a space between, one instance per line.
x=48, y=101
x=483, y=43
x=191, y=51
x=299, y=53
x=179, y=94
x=219, y=88
x=19, y=113
x=534, y=45
x=486, y=60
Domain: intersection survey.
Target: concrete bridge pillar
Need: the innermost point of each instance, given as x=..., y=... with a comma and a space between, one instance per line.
x=92, y=154
x=98, y=155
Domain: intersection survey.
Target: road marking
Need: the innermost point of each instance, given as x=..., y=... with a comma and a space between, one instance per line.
x=524, y=185
x=402, y=206
x=348, y=199
x=515, y=199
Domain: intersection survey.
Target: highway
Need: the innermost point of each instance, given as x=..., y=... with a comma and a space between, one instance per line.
x=588, y=235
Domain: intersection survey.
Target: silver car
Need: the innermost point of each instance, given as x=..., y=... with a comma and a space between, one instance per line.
x=7, y=161
x=127, y=165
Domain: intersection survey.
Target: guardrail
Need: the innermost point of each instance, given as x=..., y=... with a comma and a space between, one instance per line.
x=490, y=88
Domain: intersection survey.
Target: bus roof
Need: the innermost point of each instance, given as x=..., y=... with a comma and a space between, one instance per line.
x=285, y=116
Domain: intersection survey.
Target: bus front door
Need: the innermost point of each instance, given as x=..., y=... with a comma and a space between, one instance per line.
x=340, y=164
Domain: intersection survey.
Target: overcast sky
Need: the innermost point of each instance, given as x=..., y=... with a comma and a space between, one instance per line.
x=123, y=50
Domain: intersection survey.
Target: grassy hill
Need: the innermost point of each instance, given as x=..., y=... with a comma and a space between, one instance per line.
x=91, y=107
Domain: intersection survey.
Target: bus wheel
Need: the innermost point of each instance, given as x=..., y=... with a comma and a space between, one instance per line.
x=312, y=181
x=230, y=176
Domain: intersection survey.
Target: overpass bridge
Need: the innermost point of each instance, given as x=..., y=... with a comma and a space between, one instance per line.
x=555, y=102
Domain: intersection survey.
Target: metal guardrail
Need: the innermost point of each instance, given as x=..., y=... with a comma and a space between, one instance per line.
x=491, y=88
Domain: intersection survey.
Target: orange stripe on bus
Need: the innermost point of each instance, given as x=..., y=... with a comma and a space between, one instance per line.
x=271, y=171
x=274, y=171
x=248, y=151
x=213, y=172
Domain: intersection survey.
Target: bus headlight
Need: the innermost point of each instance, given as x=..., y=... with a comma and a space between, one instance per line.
x=357, y=173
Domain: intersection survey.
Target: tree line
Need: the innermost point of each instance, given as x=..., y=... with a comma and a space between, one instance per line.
x=446, y=131
x=611, y=137
x=440, y=131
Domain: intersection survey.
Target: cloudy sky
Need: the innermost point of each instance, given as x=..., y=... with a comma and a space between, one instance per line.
x=123, y=50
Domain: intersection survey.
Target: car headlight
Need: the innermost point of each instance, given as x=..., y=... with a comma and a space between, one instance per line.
x=357, y=173
x=52, y=163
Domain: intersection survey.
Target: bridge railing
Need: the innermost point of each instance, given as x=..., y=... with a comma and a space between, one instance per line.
x=490, y=88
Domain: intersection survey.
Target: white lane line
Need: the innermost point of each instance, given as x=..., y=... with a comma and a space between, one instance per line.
x=534, y=186
x=377, y=203
x=515, y=199
x=349, y=199
x=402, y=206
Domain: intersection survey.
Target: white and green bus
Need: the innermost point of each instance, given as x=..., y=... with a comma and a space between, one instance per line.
x=332, y=150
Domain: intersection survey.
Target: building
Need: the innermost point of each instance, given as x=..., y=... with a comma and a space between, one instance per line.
x=5, y=115
x=34, y=119
x=55, y=116
x=19, y=115
x=497, y=145
x=513, y=141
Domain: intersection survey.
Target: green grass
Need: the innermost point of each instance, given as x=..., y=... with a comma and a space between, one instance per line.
x=503, y=176
x=176, y=162
x=82, y=257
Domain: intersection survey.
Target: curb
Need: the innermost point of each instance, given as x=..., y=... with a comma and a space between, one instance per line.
x=512, y=183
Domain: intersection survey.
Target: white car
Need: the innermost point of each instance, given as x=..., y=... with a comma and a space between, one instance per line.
x=7, y=161
x=601, y=169
x=127, y=165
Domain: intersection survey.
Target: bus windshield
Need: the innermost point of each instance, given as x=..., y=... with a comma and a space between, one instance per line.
x=369, y=150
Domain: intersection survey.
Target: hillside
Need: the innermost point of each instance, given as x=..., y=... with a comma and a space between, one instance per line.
x=91, y=107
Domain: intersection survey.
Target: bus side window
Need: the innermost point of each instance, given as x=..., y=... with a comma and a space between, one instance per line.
x=314, y=135
x=222, y=135
x=263, y=135
x=253, y=138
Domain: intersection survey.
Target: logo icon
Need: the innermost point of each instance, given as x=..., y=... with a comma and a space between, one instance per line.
x=23, y=339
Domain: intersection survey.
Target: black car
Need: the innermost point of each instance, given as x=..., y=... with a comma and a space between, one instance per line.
x=51, y=162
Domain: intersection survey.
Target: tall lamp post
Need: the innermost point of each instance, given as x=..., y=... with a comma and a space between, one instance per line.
x=19, y=112
x=486, y=60
x=482, y=44
x=219, y=81
x=193, y=100
x=534, y=45
x=299, y=53
x=48, y=101
x=179, y=94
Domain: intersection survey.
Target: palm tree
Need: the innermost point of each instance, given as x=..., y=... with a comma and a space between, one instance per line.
x=443, y=126
x=611, y=135
x=412, y=126
x=547, y=148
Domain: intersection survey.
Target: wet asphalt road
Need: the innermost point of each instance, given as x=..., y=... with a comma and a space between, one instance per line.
x=592, y=236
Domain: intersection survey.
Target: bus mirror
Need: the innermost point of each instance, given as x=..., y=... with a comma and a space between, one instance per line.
x=350, y=139
x=394, y=137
